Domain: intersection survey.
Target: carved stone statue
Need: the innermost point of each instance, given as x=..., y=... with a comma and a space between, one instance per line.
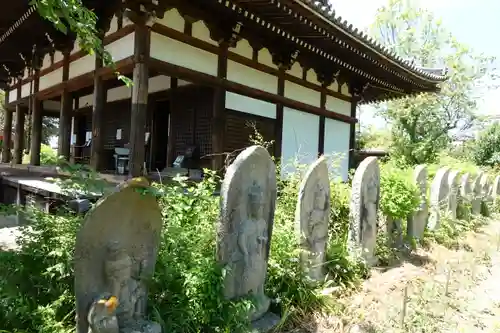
x=453, y=193
x=115, y=253
x=363, y=213
x=248, y=197
x=477, y=194
x=495, y=188
x=312, y=218
x=438, y=197
x=417, y=223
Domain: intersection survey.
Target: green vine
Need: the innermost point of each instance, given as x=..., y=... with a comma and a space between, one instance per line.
x=83, y=22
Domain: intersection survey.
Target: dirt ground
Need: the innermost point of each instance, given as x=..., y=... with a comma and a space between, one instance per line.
x=440, y=290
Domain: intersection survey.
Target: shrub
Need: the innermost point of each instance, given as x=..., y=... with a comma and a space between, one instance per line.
x=48, y=156
x=187, y=285
x=36, y=288
x=399, y=195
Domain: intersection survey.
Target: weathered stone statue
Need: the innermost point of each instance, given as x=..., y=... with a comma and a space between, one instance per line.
x=418, y=222
x=438, y=197
x=486, y=195
x=364, y=204
x=115, y=254
x=453, y=194
x=312, y=217
x=465, y=187
x=477, y=194
x=248, y=198
x=495, y=188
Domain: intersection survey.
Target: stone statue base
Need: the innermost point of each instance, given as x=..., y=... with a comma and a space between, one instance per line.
x=265, y=323
x=141, y=326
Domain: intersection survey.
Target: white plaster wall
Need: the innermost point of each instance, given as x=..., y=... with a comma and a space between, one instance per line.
x=337, y=105
x=46, y=61
x=302, y=94
x=266, y=58
x=58, y=56
x=113, y=25
x=172, y=19
x=121, y=48
x=25, y=90
x=199, y=30
x=344, y=90
x=184, y=55
x=50, y=79
x=299, y=138
x=157, y=83
x=252, y=78
x=250, y=105
x=243, y=48
x=13, y=95
x=82, y=66
x=296, y=70
x=337, y=146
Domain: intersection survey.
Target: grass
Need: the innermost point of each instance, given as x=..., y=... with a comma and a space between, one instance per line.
x=456, y=291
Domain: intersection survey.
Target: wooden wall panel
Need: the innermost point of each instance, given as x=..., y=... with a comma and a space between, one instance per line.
x=239, y=129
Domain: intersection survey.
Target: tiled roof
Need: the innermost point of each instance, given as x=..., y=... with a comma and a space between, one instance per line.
x=328, y=14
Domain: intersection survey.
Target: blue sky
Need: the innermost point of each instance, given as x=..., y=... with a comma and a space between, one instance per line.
x=475, y=23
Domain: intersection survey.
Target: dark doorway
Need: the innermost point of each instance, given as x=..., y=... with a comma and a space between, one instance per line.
x=160, y=135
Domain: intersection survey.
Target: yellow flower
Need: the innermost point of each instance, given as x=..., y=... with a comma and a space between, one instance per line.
x=111, y=304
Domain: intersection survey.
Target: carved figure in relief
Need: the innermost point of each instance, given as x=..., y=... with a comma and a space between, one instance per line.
x=253, y=243
x=369, y=218
x=318, y=227
x=102, y=315
x=119, y=274
x=317, y=233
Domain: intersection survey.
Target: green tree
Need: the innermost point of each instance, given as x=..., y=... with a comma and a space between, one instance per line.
x=372, y=137
x=72, y=16
x=485, y=149
x=424, y=125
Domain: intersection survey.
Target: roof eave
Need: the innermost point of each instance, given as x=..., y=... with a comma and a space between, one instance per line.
x=371, y=44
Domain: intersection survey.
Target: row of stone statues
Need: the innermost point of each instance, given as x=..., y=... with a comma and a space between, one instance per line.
x=114, y=259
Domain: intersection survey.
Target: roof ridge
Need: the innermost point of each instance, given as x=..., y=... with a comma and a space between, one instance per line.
x=328, y=13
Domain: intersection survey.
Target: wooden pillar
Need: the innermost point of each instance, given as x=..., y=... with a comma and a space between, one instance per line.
x=19, y=139
x=100, y=97
x=172, y=134
x=219, y=111
x=78, y=124
x=139, y=99
x=278, y=125
x=63, y=148
x=322, y=120
x=7, y=135
x=352, y=134
x=36, y=122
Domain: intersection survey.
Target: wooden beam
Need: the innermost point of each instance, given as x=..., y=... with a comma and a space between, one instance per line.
x=139, y=100
x=7, y=135
x=352, y=133
x=19, y=139
x=63, y=148
x=172, y=133
x=322, y=120
x=36, y=122
x=100, y=97
x=238, y=88
x=278, y=125
x=218, y=111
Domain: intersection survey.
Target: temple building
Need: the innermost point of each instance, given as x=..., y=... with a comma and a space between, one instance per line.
x=205, y=73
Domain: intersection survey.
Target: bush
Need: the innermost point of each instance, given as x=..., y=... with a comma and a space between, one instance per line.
x=399, y=195
x=36, y=288
x=486, y=148
x=186, y=290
